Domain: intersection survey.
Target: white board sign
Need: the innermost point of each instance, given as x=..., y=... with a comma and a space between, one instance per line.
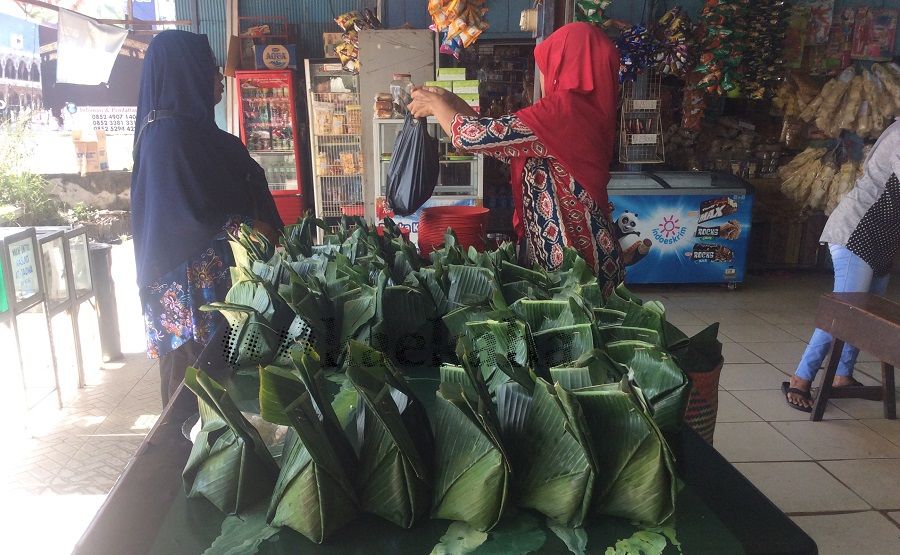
x=644, y=138
x=115, y=120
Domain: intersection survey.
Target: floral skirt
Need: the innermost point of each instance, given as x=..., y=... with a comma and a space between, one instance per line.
x=558, y=213
x=171, y=304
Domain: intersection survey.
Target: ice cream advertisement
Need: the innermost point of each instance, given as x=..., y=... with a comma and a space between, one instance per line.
x=683, y=238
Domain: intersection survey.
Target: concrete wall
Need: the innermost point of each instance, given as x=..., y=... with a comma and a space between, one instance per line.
x=110, y=190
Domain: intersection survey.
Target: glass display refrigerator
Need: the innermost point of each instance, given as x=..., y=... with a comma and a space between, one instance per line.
x=269, y=129
x=335, y=117
x=682, y=227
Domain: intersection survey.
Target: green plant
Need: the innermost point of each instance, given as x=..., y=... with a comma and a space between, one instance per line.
x=82, y=213
x=21, y=189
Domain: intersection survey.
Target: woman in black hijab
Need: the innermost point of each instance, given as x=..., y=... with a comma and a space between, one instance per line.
x=192, y=184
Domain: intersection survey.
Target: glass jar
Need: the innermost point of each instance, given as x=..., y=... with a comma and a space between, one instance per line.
x=401, y=93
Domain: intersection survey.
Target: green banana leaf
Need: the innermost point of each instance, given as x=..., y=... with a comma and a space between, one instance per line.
x=299, y=334
x=396, y=444
x=469, y=285
x=313, y=493
x=609, y=318
x=544, y=315
x=628, y=333
x=471, y=468
x=559, y=346
x=249, y=246
x=623, y=292
x=700, y=353
x=554, y=472
x=259, y=321
x=593, y=368
x=513, y=273
x=298, y=238
x=635, y=470
x=656, y=373
x=229, y=464
x=501, y=351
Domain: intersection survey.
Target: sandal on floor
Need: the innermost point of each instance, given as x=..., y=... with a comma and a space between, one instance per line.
x=786, y=388
x=853, y=383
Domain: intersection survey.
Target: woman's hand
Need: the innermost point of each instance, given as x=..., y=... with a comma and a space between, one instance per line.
x=440, y=103
x=428, y=101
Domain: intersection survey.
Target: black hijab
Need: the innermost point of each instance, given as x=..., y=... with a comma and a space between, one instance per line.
x=189, y=175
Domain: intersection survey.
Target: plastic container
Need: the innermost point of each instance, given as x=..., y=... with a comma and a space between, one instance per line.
x=401, y=93
x=468, y=222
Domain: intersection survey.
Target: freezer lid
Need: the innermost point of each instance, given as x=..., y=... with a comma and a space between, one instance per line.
x=667, y=182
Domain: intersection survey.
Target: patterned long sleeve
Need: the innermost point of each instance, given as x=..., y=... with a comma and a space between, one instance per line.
x=504, y=138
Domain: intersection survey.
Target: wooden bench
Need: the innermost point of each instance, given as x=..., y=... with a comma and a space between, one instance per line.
x=871, y=324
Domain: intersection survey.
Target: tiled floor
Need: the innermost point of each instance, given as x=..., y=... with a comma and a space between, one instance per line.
x=838, y=479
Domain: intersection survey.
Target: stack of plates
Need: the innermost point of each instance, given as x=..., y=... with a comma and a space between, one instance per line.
x=468, y=222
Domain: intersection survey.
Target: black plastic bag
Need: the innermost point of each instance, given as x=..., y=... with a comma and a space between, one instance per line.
x=414, y=168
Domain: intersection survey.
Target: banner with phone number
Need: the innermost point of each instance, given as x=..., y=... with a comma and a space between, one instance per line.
x=687, y=238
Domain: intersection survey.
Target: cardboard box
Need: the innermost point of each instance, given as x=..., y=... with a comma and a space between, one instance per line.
x=90, y=151
x=465, y=87
x=240, y=55
x=275, y=56
x=330, y=41
x=441, y=84
x=452, y=74
x=471, y=99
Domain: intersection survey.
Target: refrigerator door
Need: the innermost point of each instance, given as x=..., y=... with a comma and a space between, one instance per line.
x=682, y=227
x=336, y=145
x=268, y=125
x=269, y=128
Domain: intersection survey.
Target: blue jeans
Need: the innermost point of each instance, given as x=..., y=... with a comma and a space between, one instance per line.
x=851, y=275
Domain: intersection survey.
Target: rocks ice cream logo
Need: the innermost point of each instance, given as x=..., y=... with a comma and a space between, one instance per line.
x=669, y=231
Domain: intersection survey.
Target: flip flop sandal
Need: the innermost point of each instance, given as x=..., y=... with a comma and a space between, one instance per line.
x=786, y=388
x=853, y=383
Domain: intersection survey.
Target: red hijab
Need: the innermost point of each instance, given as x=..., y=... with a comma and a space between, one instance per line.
x=576, y=118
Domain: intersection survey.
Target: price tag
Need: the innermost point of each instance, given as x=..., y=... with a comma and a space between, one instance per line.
x=645, y=104
x=644, y=139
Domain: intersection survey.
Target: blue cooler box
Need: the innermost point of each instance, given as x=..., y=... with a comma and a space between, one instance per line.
x=682, y=227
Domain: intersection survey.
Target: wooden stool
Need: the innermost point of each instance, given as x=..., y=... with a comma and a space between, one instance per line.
x=871, y=324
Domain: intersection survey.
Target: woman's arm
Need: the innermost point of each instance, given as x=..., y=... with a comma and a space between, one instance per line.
x=440, y=103
x=503, y=138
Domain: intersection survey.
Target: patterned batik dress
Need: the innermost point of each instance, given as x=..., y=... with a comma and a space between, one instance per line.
x=556, y=210
x=171, y=304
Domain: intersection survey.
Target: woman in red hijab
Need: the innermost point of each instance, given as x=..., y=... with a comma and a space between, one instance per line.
x=559, y=149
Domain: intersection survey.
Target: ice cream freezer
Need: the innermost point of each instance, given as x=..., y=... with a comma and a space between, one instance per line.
x=682, y=227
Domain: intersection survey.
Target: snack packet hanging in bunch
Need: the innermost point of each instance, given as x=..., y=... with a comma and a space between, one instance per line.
x=459, y=22
x=352, y=23
x=676, y=44
x=637, y=49
x=763, y=62
x=591, y=11
x=721, y=35
x=692, y=106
